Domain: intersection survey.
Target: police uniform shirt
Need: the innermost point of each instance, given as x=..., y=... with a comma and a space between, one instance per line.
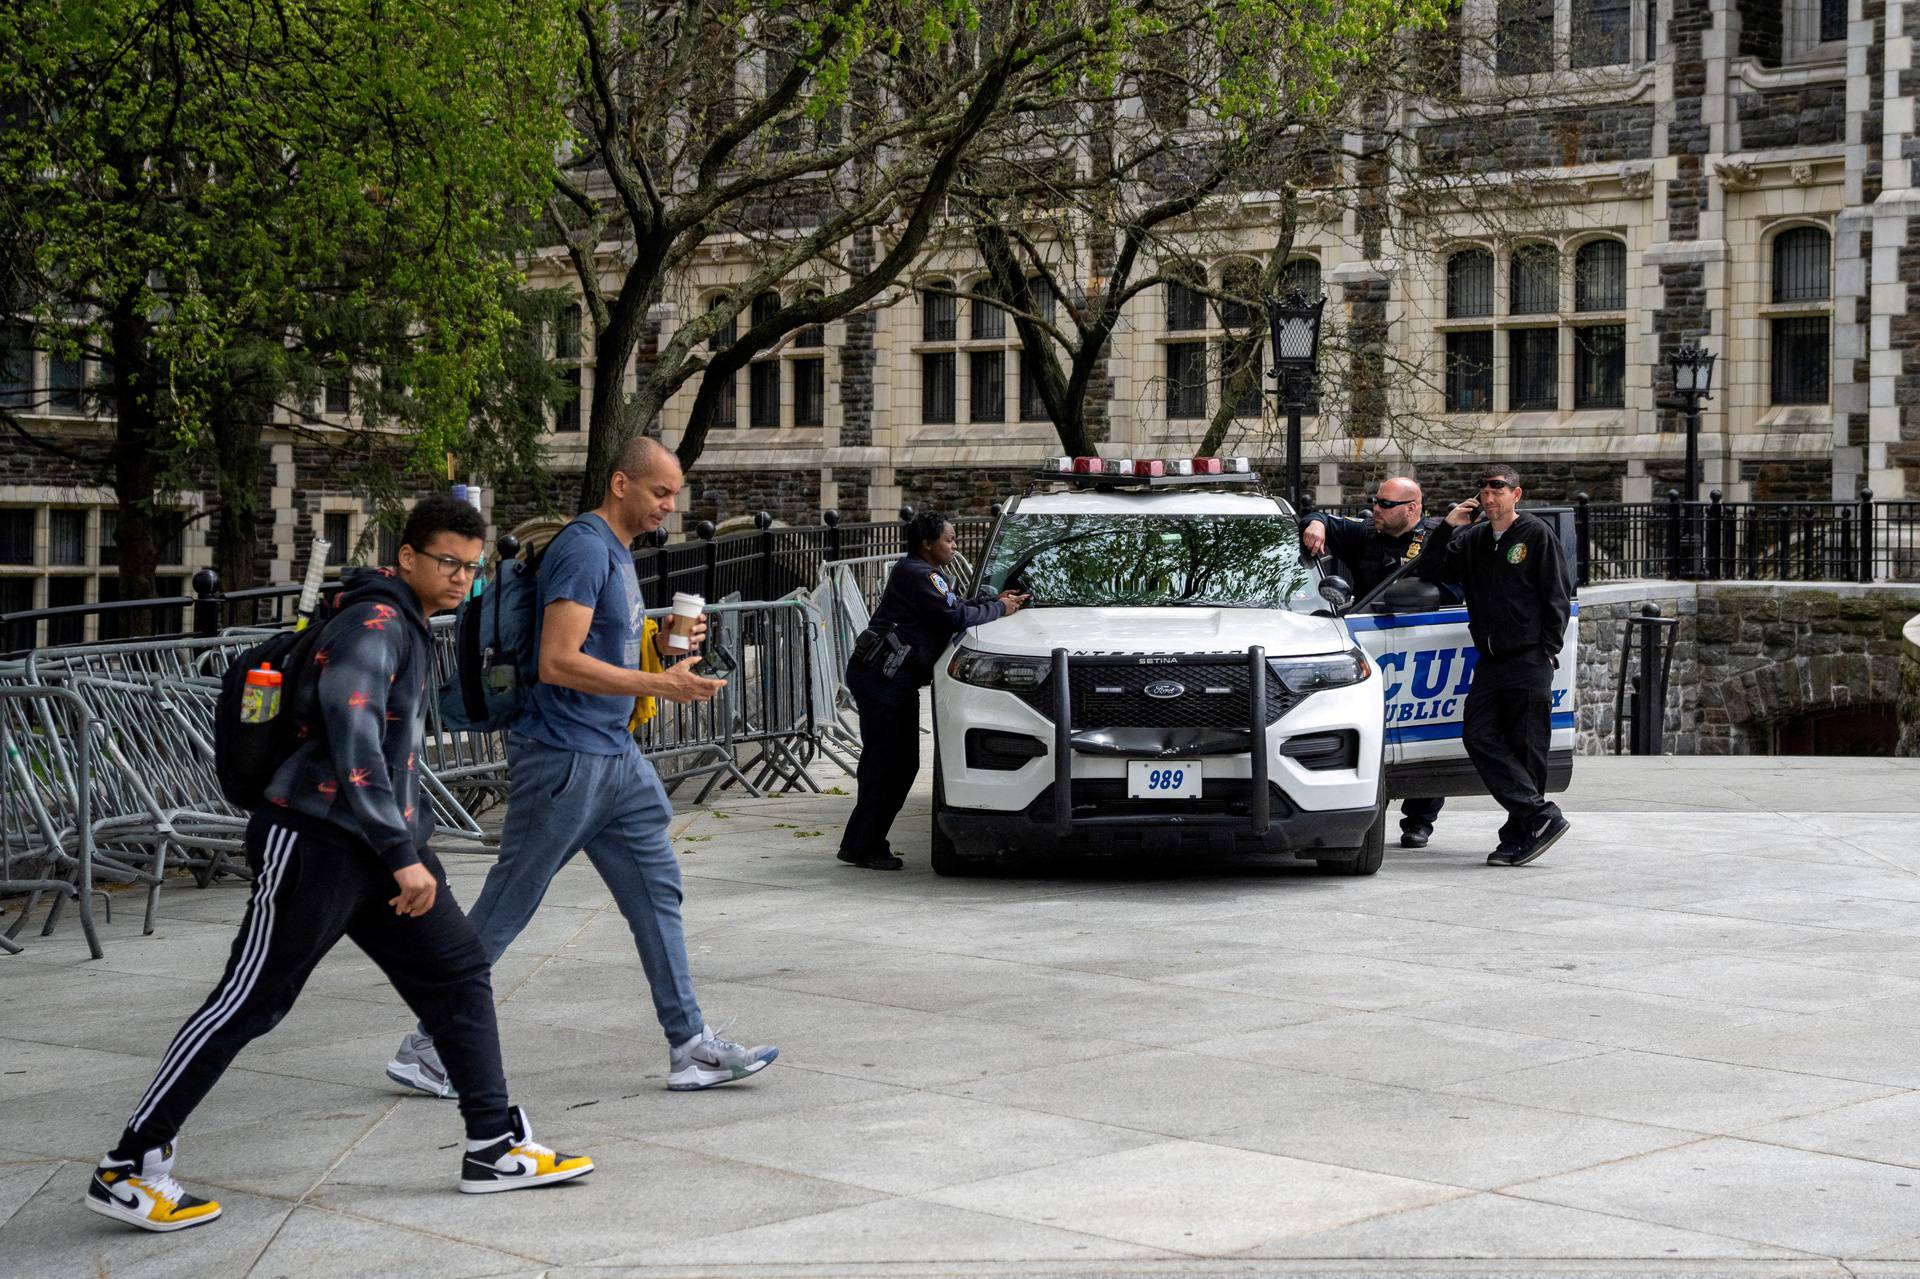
x=924, y=608
x=1371, y=554
x=1517, y=599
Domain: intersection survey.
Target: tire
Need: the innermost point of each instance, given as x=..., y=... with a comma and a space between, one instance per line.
x=1369, y=856
x=946, y=859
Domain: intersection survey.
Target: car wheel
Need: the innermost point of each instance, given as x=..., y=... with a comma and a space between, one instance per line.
x=1368, y=857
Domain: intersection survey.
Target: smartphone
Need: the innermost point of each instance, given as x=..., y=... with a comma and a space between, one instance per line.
x=716, y=662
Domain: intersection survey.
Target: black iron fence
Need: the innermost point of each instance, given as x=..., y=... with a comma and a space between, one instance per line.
x=761, y=563
x=1716, y=540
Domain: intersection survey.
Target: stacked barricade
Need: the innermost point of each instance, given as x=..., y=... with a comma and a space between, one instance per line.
x=110, y=768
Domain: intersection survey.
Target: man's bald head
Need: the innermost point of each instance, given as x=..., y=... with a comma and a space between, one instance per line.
x=646, y=478
x=1397, y=519
x=639, y=456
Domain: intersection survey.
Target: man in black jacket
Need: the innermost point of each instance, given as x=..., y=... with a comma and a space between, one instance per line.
x=1395, y=534
x=344, y=826
x=1517, y=610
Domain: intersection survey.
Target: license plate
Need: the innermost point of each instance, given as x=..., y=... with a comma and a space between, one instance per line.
x=1163, y=779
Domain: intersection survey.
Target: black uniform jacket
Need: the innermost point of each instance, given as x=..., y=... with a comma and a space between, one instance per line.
x=1517, y=601
x=923, y=606
x=1370, y=554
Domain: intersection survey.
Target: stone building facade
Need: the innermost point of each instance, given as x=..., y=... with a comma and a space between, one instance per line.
x=1740, y=173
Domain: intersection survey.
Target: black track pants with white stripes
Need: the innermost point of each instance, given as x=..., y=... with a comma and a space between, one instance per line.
x=309, y=891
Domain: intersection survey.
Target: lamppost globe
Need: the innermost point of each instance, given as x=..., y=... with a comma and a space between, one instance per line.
x=1293, y=325
x=1693, y=371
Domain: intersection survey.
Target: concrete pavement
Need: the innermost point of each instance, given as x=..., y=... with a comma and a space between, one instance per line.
x=1686, y=1042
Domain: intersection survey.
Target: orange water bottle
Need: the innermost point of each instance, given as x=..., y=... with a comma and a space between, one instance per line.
x=261, y=700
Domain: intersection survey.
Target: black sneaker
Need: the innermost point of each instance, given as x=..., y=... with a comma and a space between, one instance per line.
x=518, y=1162
x=1415, y=836
x=872, y=861
x=1502, y=856
x=1544, y=836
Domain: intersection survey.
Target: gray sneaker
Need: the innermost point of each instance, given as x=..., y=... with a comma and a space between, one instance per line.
x=707, y=1060
x=417, y=1066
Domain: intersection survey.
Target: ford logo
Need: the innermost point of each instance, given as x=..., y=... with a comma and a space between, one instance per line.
x=1164, y=688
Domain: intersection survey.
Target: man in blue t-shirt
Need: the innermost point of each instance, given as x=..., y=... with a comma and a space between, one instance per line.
x=576, y=778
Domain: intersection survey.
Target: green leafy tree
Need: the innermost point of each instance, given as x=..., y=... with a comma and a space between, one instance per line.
x=223, y=200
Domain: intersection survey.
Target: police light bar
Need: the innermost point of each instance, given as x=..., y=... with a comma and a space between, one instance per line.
x=1109, y=472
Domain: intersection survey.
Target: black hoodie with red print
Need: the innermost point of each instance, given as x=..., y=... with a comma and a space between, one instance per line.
x=357, y=769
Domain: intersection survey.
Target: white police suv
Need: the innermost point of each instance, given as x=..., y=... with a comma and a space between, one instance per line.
x=1183, y=682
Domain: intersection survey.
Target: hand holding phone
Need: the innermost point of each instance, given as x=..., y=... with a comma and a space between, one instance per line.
x=1465, y=513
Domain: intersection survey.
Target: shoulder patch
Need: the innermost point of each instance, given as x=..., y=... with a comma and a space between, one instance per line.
x=939, y=583
x=1517, y=553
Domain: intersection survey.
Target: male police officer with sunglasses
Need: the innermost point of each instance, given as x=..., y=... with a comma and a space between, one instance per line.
x=1371, y=549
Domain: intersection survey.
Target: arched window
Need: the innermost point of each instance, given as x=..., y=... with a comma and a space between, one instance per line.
x=1186, y=361
x=1469, y=284
x=1469, y=355
x=1533, y=278
x=810, y=372
x=1802, y=286
x=1240, y=281
x=1186, y=304
x=726, y=410
x=1801, y=271
x=1600, y=276
x=763, y=375
x=567, y=351
x=938, y=379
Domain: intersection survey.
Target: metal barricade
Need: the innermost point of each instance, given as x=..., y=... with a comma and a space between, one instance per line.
x=46, y=816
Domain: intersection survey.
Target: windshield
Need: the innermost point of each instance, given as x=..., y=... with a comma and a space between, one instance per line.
x=1231, y=561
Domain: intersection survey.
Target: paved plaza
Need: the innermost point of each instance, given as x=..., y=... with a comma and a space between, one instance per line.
x=1686, y=1042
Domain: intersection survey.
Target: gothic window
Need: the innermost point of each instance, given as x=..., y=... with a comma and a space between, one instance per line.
x=1534, y=280
x=1469, y=284
x=1799, y=318
x=1469, y=371
x=1600, y=276
x=1533, y=365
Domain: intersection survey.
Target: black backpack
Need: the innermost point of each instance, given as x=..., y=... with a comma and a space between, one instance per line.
x=246, y=756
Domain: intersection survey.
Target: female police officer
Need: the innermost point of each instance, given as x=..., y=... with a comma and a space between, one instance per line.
x=892, y=661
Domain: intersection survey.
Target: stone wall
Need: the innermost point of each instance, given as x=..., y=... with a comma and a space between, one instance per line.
x=790, y=495
x=1746, y=655
x=1538, y=140
x=960, y=491
x=1805, y=116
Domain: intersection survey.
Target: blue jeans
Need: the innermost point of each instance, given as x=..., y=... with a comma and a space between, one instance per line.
x=614, y=807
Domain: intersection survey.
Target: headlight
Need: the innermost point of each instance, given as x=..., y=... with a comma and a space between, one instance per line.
x=1302, y=675
x=999, y=670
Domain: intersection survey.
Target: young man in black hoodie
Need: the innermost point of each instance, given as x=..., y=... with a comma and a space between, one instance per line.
x=1517, y=610
x=345, y=825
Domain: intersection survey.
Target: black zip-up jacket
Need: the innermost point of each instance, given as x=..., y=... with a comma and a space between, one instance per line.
x=1517, y=601
x=924, y=609
x=358, y=771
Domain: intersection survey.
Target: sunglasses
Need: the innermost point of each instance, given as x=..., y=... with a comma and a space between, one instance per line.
x=1496, y=486
x=1387, y=504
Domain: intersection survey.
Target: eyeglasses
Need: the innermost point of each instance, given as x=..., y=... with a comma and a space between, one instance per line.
x=1387, y=504
x=450, y=566
x=1495, y=486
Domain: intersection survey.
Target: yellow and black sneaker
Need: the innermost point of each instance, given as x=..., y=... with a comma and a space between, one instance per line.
x=143, y=1193
x=517, y=1162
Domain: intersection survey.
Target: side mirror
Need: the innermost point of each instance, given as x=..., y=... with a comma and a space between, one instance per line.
x=1337, y=592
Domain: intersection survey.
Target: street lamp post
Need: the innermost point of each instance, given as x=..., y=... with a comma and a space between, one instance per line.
x=1295, y=327
x=1693, y=379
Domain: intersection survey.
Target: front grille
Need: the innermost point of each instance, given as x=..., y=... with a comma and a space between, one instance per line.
x=1130, y=707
